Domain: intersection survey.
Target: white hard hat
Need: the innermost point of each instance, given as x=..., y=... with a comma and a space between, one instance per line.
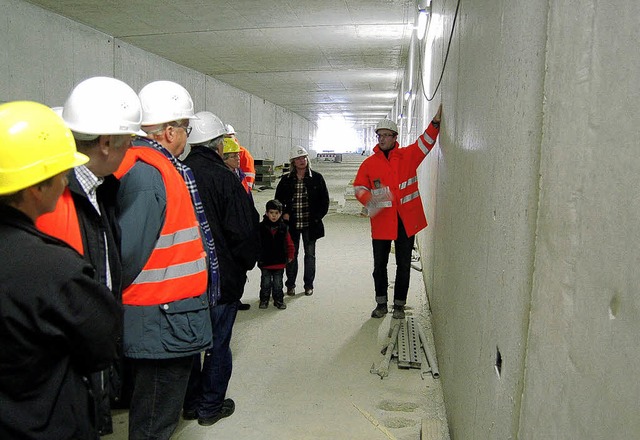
x=297, y=152
x=206, y=126
x=388, y=125
x=165, y=101
x=230, y=129
x=102, y=105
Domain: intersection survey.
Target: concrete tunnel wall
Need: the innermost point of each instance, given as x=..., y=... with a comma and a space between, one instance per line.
x=531, y=195
x=530, y=259
x=44, y=55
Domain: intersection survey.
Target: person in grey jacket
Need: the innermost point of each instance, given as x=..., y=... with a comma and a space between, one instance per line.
x=165, y=264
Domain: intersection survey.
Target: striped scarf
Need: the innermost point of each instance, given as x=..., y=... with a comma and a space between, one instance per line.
x=187, y=175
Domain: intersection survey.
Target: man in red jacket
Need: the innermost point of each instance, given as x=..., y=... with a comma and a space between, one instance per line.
x=387, y=185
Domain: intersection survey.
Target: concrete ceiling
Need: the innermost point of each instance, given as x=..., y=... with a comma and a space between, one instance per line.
x=312, y=57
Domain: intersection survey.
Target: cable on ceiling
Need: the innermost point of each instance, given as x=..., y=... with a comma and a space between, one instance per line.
x=444, y=65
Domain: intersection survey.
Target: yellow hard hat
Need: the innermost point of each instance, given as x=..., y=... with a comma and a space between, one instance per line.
x=230, y=146
x=35, y=144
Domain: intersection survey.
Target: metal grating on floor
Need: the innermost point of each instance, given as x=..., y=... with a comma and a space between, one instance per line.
x=408, y=345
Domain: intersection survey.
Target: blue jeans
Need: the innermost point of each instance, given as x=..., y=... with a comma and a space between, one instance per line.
x=159, y=387
x=381, y=249
x=271, y=284
x=309, y=259
x=209, y=379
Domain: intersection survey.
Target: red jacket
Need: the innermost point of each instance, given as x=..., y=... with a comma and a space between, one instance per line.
x=389, y=187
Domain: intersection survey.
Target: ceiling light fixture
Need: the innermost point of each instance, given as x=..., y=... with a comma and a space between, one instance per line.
x=424, y=9
x=422, y=23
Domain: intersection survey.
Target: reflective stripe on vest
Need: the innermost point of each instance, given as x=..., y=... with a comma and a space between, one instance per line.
x=175, y=271
x=170, y=242
x=380, y=191
x=425, y=149
x=178, y=237
x=177, y=266
x=63, y=223
x=410, y=197
x=406, y=183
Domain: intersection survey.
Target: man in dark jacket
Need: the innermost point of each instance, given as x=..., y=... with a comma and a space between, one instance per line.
x=305, y=198
x=234, y=224
x=102, y=114
x=57, y=323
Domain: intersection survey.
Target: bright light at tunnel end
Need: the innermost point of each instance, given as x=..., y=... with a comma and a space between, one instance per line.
x=336, y=134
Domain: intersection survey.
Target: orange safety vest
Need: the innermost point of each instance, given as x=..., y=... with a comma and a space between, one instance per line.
x=248, y=168
x=177, y=266
x=63, y=222
x=245, y=185
x=389, y=187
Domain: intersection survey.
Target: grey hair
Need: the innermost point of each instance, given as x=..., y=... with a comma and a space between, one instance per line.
x=116, y=141
x=212, y=144
x=84, y=137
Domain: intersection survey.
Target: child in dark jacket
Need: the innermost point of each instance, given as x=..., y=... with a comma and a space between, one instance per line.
x=277, y=251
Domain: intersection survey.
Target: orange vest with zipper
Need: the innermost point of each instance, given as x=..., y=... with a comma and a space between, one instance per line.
x=177, y=266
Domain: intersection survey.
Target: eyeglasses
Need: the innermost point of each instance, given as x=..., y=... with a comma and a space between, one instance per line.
x=385, y=135
x=187, y=128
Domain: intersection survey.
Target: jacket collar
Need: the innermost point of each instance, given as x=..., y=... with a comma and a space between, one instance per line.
x=377, y=148
x=307, y=173
x=19, y=220
x=207, y=153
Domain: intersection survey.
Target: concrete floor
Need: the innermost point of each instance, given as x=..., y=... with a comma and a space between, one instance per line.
x=304, y=372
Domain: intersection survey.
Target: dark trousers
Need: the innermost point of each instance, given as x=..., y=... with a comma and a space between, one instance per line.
x=381, y=250
x=271, y=284
x=159, y=386
x=210, y=377
x=309, y=259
